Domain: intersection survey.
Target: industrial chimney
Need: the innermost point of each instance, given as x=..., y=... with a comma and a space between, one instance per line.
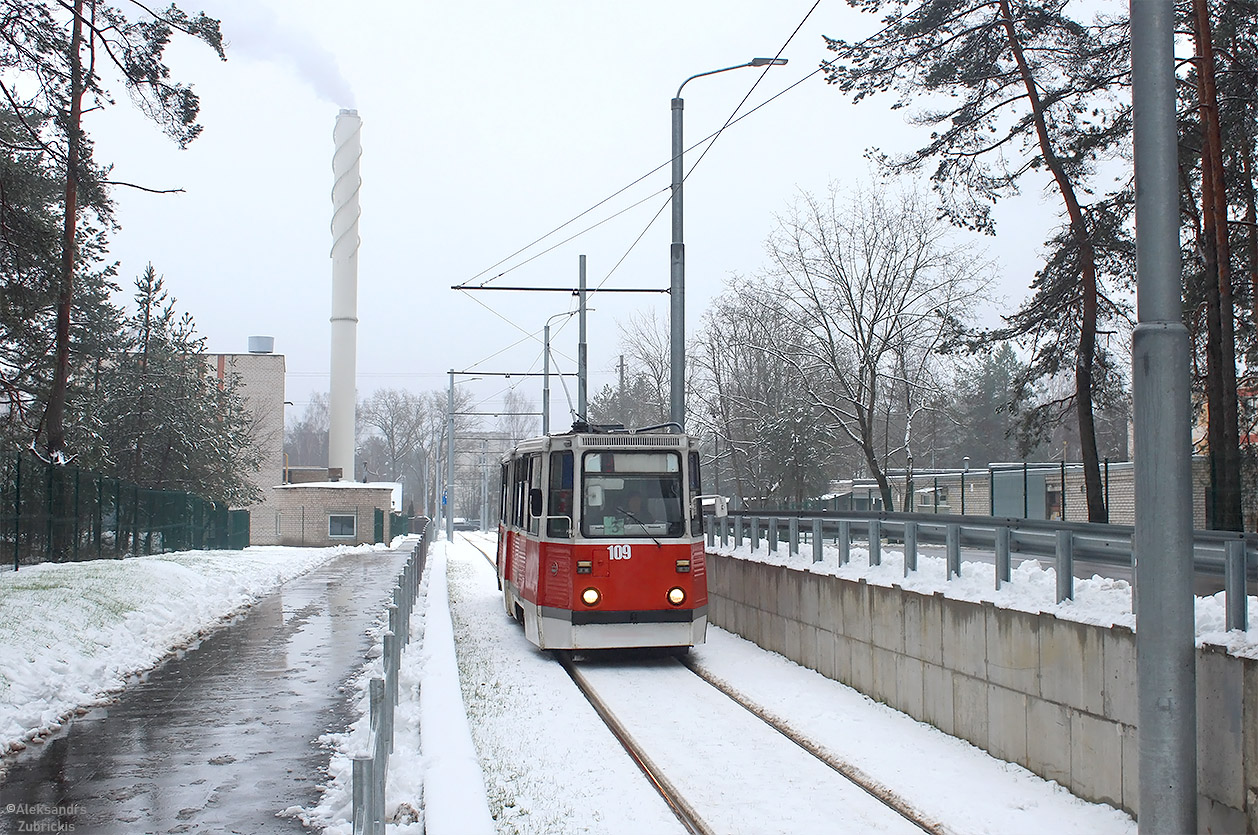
x=341, y=388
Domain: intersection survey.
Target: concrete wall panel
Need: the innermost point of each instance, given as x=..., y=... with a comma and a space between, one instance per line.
x=969, y=709
x=1118, y=646
x=1220, y=737
x=923, y=626
x=937, y=699
x=886, y=612
x=965, y=638
x=1071, y=659
x=1096, y=758
x=1007, y=724
x=1049, y=740
x=1013, y=649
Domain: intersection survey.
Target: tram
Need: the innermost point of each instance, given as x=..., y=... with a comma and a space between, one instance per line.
x=600, y=539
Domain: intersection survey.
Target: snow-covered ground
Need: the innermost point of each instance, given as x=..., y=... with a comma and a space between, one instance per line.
x=497, y=728
x=550, y=766
x=71, y=634
x=1032, y=588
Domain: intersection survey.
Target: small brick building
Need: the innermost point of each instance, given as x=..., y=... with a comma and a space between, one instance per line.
x=318, y=513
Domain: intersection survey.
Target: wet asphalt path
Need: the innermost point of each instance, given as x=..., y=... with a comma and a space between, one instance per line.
x=222, y=737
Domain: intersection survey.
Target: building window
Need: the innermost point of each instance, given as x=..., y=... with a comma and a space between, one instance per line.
x=342, y=525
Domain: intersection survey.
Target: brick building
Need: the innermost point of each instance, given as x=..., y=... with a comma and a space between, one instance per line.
x=320, y=513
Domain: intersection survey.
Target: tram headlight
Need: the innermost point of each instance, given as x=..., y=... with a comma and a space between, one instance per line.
x=676, y=596
x=590, y=597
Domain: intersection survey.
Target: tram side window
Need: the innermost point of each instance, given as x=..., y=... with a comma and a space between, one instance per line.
x=559, y=502
x=696, y=489
x=504, y=509
x=519, y=492
x=534, y=483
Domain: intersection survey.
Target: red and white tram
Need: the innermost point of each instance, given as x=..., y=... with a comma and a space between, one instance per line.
x=600, y=541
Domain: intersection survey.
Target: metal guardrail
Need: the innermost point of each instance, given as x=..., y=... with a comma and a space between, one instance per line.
x=1226, y=553
x=371, y=770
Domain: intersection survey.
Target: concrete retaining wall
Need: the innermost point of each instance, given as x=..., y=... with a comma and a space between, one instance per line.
x=1055, y=696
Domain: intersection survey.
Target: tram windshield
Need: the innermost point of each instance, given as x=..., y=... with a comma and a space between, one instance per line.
x=632, y=493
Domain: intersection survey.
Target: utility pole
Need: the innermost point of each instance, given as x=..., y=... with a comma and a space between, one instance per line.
x=1162, y=536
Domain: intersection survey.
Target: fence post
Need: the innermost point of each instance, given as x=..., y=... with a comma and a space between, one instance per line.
x=875, y=542
x=792, y=535
x=1235, y=599
x=953, y=540
x=17, y=514
x=818, y=545
x=1065, y=566
x=910, y=547
x=772, y=535
x=845, y=541
x=755, y=533
x=710, y=525
x=738, y=532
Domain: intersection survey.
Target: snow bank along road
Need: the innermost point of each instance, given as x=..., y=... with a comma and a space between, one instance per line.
x=551, y=765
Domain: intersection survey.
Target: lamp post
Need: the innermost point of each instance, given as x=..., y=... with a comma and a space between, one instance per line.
x=546, y=369
x=677, y=258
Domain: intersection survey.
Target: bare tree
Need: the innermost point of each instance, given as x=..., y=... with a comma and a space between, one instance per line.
x=873, y=285
x=769, y=443
x=397, y=417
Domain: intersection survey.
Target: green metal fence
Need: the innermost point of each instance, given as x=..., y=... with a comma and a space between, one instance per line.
x=57, y=514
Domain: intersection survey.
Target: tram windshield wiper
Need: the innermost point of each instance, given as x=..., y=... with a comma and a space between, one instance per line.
x=641, y=524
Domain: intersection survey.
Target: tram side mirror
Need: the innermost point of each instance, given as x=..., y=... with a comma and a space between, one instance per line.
x=535, y=502
x=720, y=505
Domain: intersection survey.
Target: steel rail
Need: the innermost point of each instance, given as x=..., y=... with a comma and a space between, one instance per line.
x=852, y=773
x=685, y=813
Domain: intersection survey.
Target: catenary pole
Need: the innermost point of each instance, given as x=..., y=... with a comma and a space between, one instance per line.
x=581, y=346
x=447, y=500
x=1162, y=540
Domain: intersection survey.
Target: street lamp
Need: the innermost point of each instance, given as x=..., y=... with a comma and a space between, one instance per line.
x=677, y=256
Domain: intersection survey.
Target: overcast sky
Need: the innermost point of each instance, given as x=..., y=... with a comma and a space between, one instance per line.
x=486, y=125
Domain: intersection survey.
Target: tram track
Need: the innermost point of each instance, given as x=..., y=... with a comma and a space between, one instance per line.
x=683, y=809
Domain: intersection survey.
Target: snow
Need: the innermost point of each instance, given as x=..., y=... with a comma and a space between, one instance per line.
x=470, y=745
x=1032, y=587
x=72, y=634
x=535, y=733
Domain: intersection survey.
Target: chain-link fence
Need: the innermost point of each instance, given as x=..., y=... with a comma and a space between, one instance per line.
x=59, y=513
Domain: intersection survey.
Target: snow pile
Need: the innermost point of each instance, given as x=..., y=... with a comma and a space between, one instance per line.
x=73, y=633
x=1100, y=601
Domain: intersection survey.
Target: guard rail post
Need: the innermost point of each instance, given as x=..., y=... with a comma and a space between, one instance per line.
x=370, y=771
x=755, y=534
x=910, y=547
x=817, y=544
x=725, y=531
x=1004, y=565
x=875, y=542
x=1065, y=566
x=953, y=538
x=845, y=541
x=738, y=532
x=1236, y=601
x=709, y=524
x=792, y=527
x=771, y=534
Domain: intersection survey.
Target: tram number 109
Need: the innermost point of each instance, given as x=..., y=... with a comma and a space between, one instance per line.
x=619, y=552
